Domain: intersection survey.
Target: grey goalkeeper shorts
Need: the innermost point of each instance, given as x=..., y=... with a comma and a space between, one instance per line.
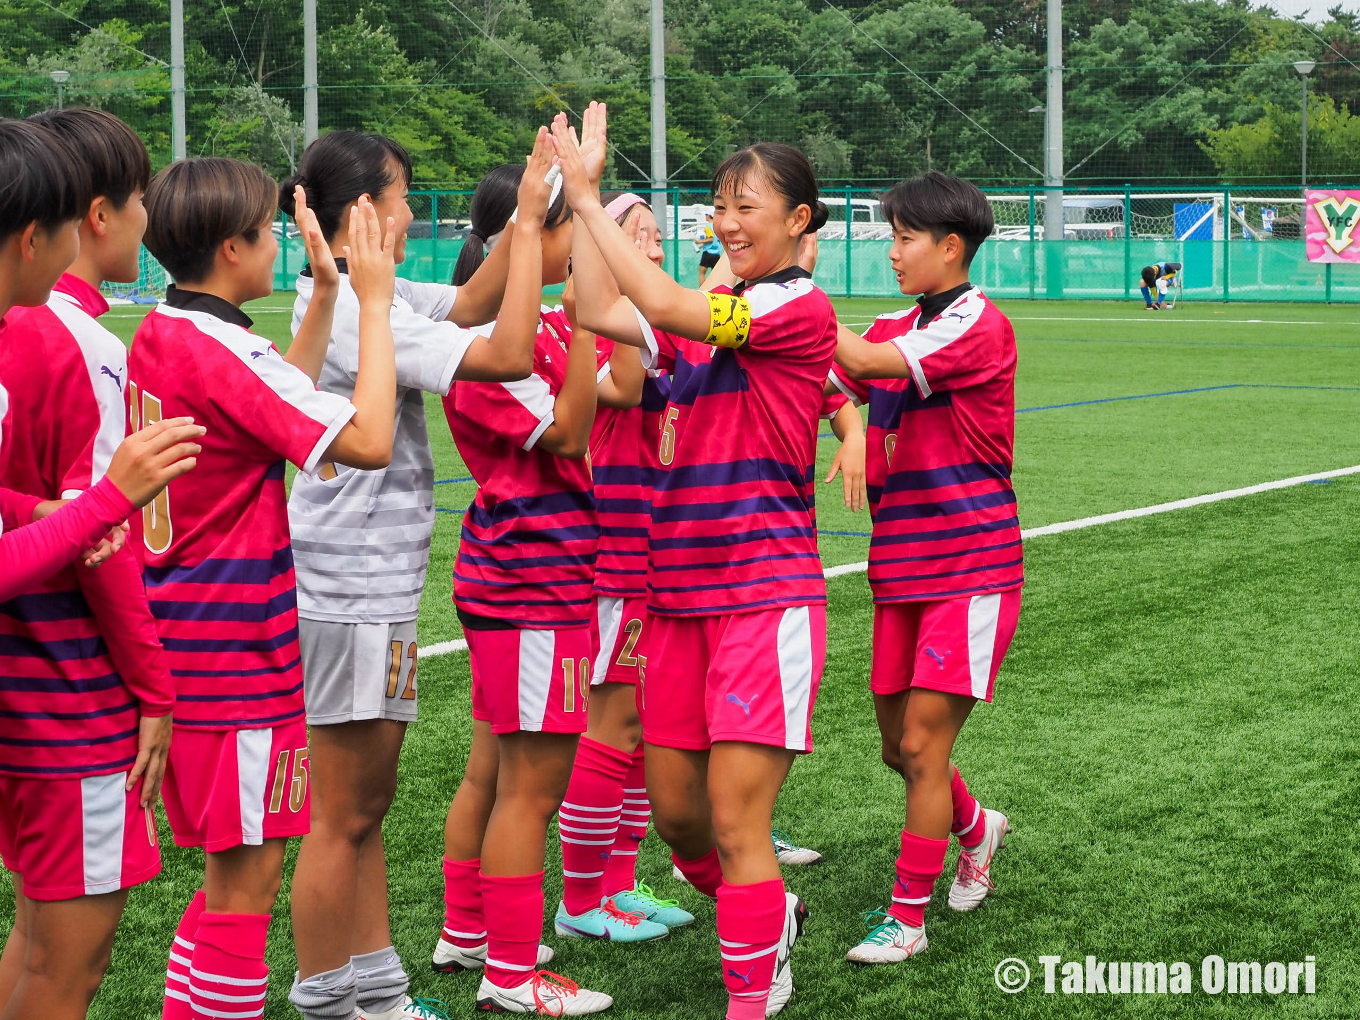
x=357, y=671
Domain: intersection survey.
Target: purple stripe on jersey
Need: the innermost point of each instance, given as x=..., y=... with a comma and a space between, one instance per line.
x=223, y=571
x=621, y=474
x=85, y=741
x=886, y=407
x=971, y=550
x=531, y=506
x=610, y=531
x=97, y=713
x=741, y=472
x=946, y=507
x=516, y=536
x=565, y=582
x=944, y=534
x=60, y=685
x=235, y=722
x=718, y=564
x=623, y=506
x=721, y=373
x=791, y=504
x=257, y=696
x=737, y=584
x=210, y=645
x=43, y=607
x=265, y=671
x=738, y=607
x=656, y=392
x=95, y=768
x=524, y=602
x=58, y=650
x=520, y=562
x=939, y=478
x=877, y=575
x=226, y=612
x=732, y=538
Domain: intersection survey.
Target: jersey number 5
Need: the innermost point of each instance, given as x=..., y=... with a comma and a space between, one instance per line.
x=667, y=451
x=157, y=531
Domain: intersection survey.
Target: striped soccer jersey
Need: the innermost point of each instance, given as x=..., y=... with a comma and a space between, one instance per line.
x=527, y=554
x=733, y=522
x=79, y=657
x=624, y=448
x=362, y=538
x=940, y=448
x=218, y=567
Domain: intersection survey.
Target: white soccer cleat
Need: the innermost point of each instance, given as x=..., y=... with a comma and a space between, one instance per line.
x=544, y=993
x=781, y=987
x=889, y=941
x=973, y=881
x=411, y=1009
x=678, y=875
x=788, y=852
x=449, y=958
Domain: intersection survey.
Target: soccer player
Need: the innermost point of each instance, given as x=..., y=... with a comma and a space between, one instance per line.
x=362, y=542
x=522, y=588
x=218, y=566
x=945, y=562
x=736, y=599
x=708, y=246
x=1158, y=277
x=84, y=704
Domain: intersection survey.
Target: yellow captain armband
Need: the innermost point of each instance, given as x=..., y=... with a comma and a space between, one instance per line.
x=729, y=320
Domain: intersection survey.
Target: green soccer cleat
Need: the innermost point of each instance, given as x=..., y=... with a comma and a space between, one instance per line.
x=608, y=922
x=653, y=908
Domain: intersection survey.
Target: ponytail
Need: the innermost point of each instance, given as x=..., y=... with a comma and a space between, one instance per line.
x=493, y=203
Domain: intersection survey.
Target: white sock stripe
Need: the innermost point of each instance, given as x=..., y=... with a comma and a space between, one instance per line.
x=582, y=874
x=200, y=1010
x=737, y=957
x=464, y=934
x=178, y=978
x=196, y=991
x=185, y=943
x=624, y=853
x=593, y=811
x=587, y=842
x=588, y=825
x=182, y=961
x=500, y=965
x=175, y=993
x=914, y=900
x=635, y=789
x=749, y=995
x=636, y=800
x=977, y=813
x=735, y=945
x=222, y=979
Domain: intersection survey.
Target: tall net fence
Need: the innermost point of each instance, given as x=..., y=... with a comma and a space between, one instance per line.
x=1193, y=107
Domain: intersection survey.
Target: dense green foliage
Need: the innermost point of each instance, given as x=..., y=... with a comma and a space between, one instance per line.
x=1155, y=90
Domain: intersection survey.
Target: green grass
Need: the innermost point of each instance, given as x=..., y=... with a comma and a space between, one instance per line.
x=1173, y=736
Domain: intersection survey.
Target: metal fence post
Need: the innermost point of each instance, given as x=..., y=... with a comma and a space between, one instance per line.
x=1329, y=283
x=1227, y=247
x=849, y=266
x=283, y=247
x=434, y=234
x=675, y=231
x=1032, y=266
x=1128, y=241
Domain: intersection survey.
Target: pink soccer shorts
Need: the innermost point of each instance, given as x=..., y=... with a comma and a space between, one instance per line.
x=748, y=677
x=532, y=681
x=950, y=645
x=227, y=788
x=620, y=625
x=68, y=838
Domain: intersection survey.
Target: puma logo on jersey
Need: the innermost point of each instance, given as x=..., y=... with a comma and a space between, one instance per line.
x=746, y=978
x=939, y=659
x=105, y=370
x=260, y=354
x=745, y=706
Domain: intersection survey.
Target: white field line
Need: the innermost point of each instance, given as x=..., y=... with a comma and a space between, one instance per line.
x=459, y=645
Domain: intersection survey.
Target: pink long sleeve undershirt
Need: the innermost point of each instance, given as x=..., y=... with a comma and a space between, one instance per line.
x=35, y=551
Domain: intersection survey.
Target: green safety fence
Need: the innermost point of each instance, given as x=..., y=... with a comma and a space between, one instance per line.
x=1235, y=245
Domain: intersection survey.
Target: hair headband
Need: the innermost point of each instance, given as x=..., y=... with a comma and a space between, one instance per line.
x=617, y=207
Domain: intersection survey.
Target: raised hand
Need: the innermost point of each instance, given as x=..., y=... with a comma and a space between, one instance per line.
x=594, y=141
x=146, y=461
x=325, y=275
x=576, y=181
x=535, y=190
x=372, y=269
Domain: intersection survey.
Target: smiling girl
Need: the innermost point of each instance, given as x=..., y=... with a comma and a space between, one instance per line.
x=736, y=598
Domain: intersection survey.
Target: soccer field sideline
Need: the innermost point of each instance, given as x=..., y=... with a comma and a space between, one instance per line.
x=460, y=645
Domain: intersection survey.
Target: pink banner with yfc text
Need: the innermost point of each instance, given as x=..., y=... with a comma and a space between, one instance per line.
x=1332, y=227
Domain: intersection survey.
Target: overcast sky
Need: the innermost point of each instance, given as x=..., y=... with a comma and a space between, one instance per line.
x=1317, y=9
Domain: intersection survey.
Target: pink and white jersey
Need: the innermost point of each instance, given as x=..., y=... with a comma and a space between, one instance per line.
x=527, y=554
x=623, y=460
x=940, y=446
x=79, y=659
x=218, y=566
x=733, y=522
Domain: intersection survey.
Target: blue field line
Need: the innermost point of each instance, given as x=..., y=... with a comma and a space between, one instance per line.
x=454, y=481
x=845, y=534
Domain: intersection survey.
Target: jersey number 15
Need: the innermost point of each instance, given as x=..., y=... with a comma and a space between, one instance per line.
x=157, y=531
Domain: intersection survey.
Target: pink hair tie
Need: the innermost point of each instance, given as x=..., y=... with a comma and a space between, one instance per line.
x=622, y=204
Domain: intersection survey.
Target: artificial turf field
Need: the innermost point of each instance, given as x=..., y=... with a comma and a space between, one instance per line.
x=1174, y=734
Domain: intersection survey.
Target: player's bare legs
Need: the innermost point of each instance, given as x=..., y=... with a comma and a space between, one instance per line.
x=12, y=960
x=743, y=782
x=931, y=722
x=465, y=826
x=244, y=879
x=66, y=951
x=533, y=774
x=341, y=877
x=613, y=716
x=677, y=785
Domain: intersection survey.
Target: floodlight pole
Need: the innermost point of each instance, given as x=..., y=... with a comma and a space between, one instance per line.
x=178, y=144
x=310, y=120
x=1305, y=68
x=61, y=77
x=659, y=112
x=1053, y=124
